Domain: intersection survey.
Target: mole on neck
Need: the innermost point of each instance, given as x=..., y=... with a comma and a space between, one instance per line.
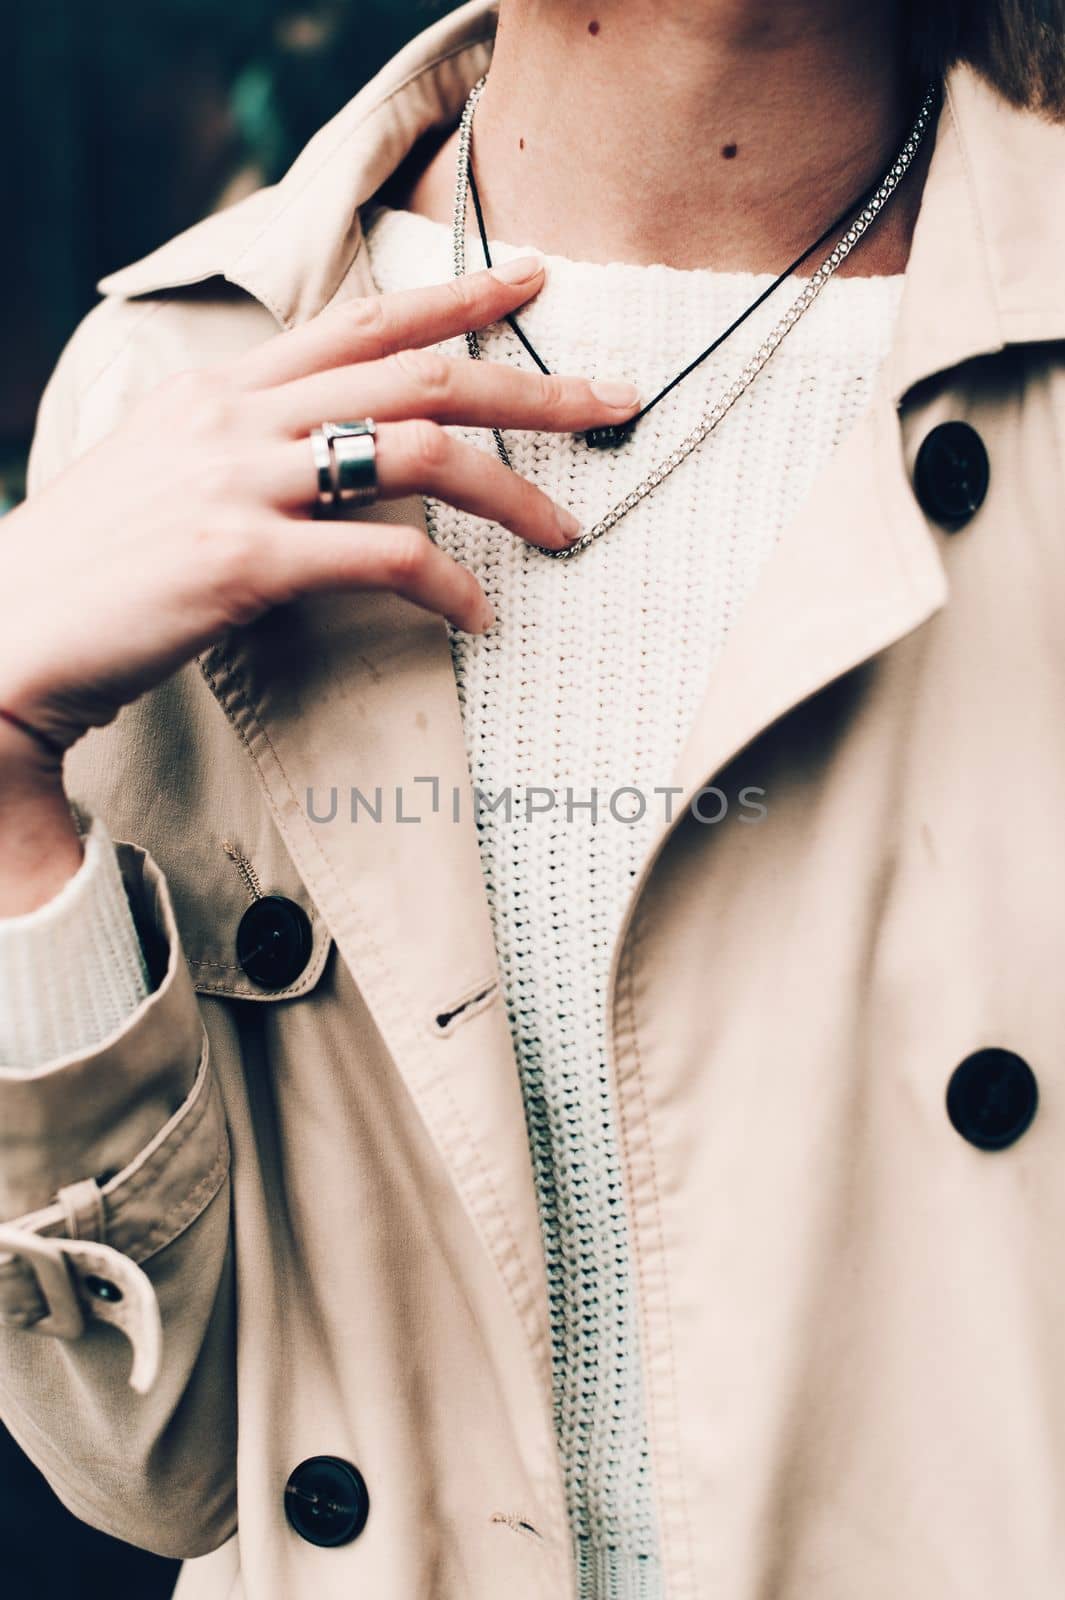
x=773, y=114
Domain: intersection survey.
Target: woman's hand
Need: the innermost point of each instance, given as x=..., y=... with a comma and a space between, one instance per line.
x=196, y=513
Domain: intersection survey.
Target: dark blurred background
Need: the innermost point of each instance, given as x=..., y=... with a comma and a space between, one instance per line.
x=122, y=122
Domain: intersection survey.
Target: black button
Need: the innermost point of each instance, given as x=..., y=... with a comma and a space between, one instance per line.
x=952, y=473
x=611, y=437
x=326, y=1501
x=274, y=941
x=102, y=1288
x=991, y=1098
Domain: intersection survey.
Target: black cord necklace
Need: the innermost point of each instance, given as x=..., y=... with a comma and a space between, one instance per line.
x=855, y=223
x=610, y=438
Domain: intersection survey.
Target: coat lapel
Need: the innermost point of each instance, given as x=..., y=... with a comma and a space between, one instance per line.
x=855, y=571
x=859, y=568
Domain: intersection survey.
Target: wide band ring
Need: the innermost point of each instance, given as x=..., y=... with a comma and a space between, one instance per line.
x=345, y=463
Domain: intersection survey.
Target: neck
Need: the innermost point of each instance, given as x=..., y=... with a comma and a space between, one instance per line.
x=713, y=133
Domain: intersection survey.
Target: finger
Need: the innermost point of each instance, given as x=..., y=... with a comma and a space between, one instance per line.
x=421, y=458
x=424, y=383
x=372, y=326
x=309, y=557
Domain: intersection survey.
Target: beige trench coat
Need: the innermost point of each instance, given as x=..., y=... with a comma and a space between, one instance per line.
x=853, y=1318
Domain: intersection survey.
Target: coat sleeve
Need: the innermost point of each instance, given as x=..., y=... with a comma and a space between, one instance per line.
x=116, y=1287
x=72, y=970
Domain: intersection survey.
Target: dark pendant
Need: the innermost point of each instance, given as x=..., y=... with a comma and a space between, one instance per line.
x=609, y=438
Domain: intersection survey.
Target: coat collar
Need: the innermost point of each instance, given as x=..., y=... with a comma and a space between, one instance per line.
x=984, y=267
x=292, y=246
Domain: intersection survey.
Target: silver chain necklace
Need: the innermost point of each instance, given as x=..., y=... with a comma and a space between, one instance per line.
x=839, y=253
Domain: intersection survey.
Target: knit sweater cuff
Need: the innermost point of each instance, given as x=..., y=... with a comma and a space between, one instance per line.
x=72, y=972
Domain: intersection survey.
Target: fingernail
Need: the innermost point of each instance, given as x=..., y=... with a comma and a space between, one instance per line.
x=488, y=617
x=622, y=396
x=522, y=270
x=568, y=525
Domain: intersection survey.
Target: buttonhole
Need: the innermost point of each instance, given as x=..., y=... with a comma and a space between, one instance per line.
x=516, y=1524
x=445, y=1020
x=246, y=871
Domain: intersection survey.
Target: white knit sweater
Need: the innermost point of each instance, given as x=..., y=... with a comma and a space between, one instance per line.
x=585, y=687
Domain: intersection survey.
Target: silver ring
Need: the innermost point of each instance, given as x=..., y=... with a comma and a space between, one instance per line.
x=323, y=470
x=353, y=447
x=345, y=463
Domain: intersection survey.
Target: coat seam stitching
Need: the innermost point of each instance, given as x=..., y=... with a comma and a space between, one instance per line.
x=162, y=1234
x=153, y=1171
